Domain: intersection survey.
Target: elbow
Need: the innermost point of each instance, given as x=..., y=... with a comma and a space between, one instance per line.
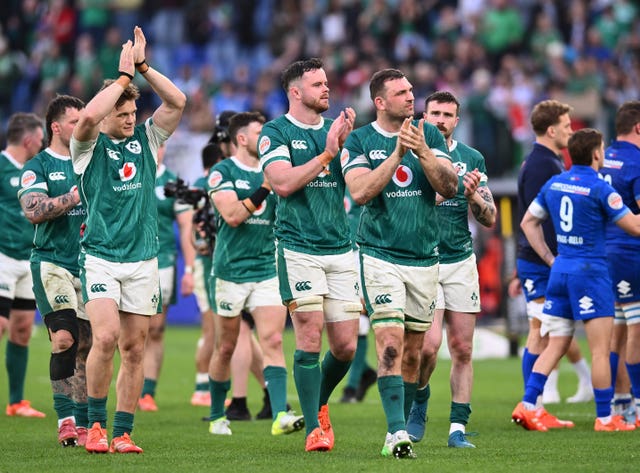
x=34, y=220
x=360, y=198
x=282, y=190
x=181, y=101
x=449, y=191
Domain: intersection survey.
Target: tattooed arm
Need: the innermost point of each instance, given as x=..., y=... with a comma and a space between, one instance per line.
x=480, y=199
x=39, y=207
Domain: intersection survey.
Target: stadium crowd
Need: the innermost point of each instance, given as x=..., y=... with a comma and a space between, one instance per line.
x=498, y=56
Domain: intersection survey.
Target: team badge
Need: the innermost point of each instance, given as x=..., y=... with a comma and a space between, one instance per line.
x=215, y=178
x=27, y=180
x=264, y=145
x=615, y=201
x=128, y=172
x=460, y=168
x=344, y=157
x=134, y=146
x=403, y=176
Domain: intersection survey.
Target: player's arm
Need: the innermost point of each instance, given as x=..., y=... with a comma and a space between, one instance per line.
x=235, y=211
x=39, y=207
x=184, y=221
x=286, y=179
x=630, y=223
x=532, y=228
x=102, y=103
x=480, y=199
x=439, y=171
x=167, y=115
x=365, y=183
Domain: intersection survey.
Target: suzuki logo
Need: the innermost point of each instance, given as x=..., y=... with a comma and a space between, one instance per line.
x=99, y=287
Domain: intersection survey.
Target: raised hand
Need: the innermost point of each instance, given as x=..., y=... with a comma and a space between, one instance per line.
x=126, y=63
x=139, y=45
x=471, y=181
x=350, y=119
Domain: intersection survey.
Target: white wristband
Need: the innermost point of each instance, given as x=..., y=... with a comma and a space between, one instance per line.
x=188, y=269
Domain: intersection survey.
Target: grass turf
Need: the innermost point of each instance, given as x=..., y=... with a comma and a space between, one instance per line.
x=175, y=438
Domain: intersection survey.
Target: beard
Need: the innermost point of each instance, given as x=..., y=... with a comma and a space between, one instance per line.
x=316, y=105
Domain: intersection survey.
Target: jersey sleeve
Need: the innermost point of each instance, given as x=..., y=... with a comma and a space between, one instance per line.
x=612, y=203
x=33, y=178
x=156, y=137
x=220, y=179
x=81, y=153
x=272, y=146
x=538, y=206
x=353, y=155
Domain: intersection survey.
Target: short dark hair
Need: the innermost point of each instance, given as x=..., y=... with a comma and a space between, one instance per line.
x=378, y=79
x=21, y=123
x=211, y=154
x=57, y=108
x=627, y=117
x=297, y=69
x=130, y=93
x=546, y=114
x=240, y=120
x=582, y=144
x=442, y=96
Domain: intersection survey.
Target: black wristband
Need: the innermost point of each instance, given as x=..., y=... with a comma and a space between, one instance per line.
x=122, y=73
x=259, y=195
x=138, y=64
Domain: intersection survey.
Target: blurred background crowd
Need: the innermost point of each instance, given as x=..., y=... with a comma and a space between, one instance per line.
x=498, y=56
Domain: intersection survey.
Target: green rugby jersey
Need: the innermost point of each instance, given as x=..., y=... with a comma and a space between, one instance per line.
x=245, y=253
x=353, y=216
x=55, y=241
x=168, y=208
x=400, y=224
x=311, y=220
x=17, y=231
x=453, y=214
x=117, y=183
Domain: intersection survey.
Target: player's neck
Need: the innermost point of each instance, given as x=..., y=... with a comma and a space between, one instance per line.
x=18, y=153
x=246, y=158
x=548, y=143
x=388, y=124
x=59, y=148
x=632, y=138
x=305, y=115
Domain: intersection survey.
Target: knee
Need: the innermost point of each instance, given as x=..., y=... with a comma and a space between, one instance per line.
x=461, y=351
x=345, y=349
x=61, y=340
x=411, y=361
x=389, y=357
x=156, y=333
x=272, y=342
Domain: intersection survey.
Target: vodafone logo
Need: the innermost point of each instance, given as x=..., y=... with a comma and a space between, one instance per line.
x=261, y=208
x=27, y=180
x=215, y=178
x=264, y=144
x=403, y=176
x=128, y=172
